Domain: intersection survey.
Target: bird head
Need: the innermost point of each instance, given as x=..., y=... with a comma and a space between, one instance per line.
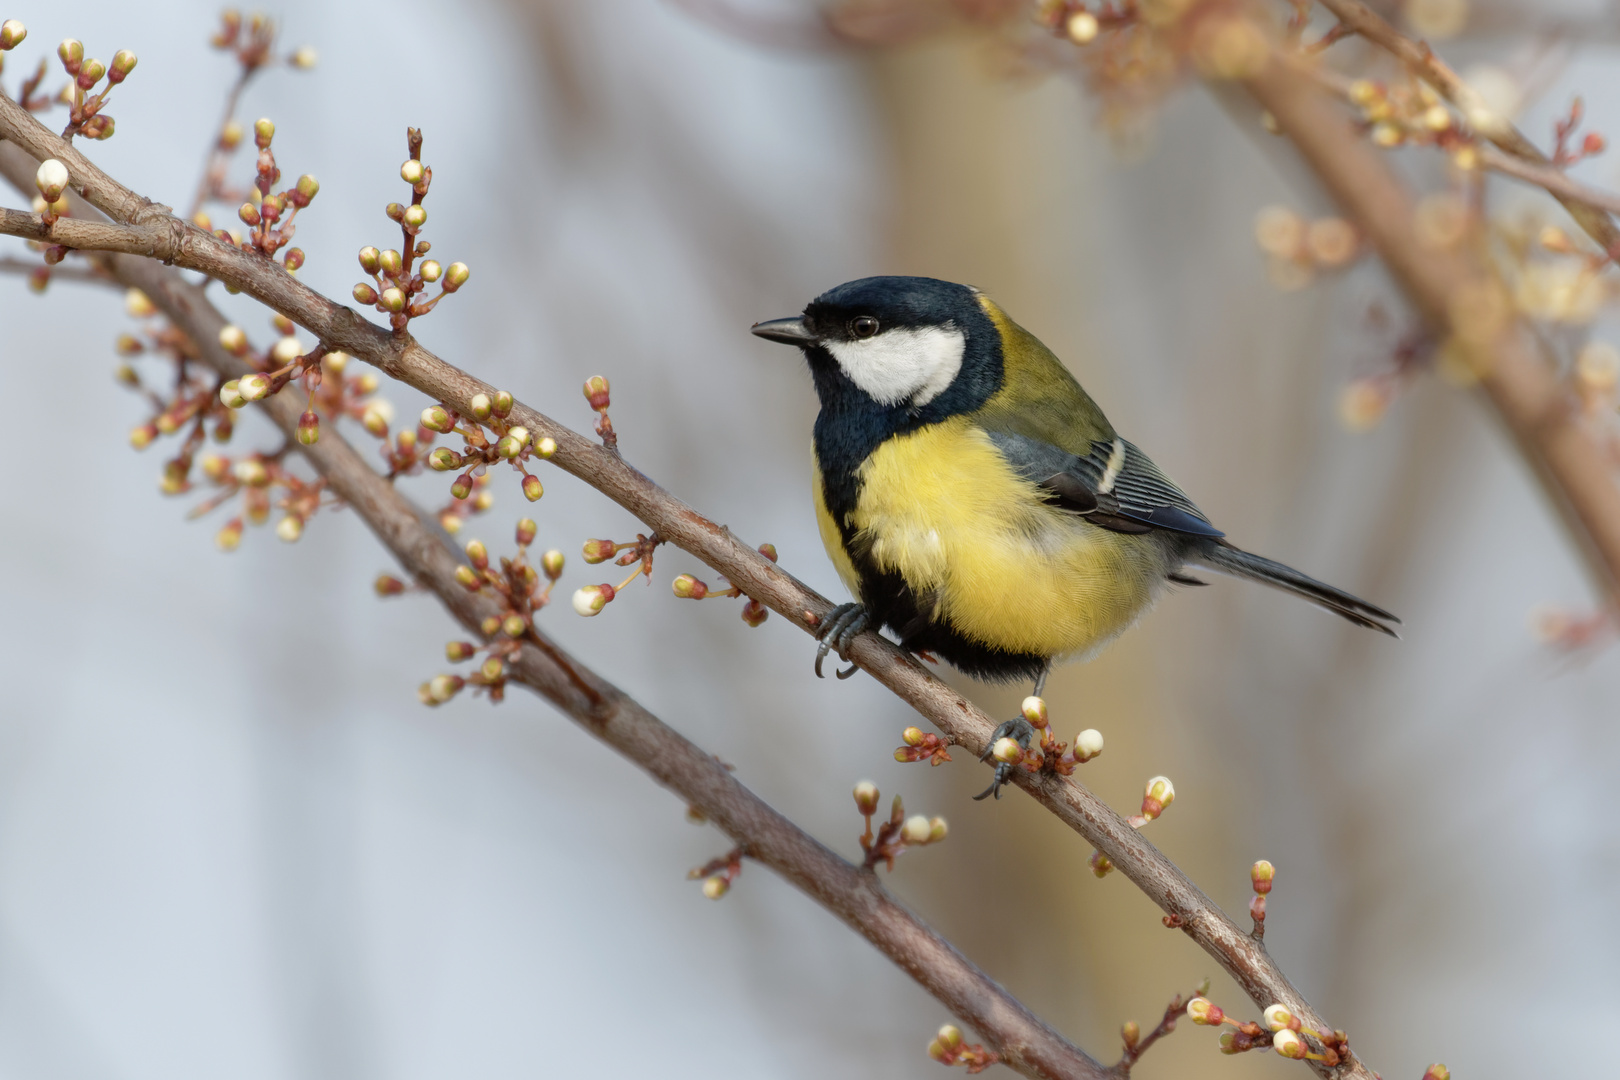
x=911, y=344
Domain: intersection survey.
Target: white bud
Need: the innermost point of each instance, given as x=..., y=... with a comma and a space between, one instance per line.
x=916, y=830
x=1088, y=744
x=286, y=350
x=1276, y=1018
x=51, y=179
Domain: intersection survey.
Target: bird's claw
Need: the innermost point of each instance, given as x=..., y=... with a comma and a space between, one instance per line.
x=1018, y=730
x=841, y=626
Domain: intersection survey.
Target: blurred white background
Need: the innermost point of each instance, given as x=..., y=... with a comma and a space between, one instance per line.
x=232, y=843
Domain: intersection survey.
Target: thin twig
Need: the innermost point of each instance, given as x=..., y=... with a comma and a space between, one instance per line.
x=157, y=233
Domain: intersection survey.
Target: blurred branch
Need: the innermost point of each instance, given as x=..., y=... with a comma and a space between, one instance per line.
x=1452, y=292
x=153, y=231
x=1023, y=1041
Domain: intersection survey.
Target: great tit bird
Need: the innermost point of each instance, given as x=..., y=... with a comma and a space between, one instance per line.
x=978, y=503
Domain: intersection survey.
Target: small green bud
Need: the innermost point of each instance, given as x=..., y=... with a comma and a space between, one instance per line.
x=514, y=626
x=481, y=406
x=478, y=554
x=455, y=276
x=430, y=270
x=263, y=131
x=370, y=259
x=457, y=651
x=443, y=459
x=552, y=563
x=365, y=294
x=415, y=216
x=12, y=33
x=393, y=300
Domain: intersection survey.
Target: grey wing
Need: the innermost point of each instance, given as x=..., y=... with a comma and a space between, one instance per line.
x=1115, y=486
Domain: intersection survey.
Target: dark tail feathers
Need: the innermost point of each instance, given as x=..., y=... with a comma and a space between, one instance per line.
x=1238, y=563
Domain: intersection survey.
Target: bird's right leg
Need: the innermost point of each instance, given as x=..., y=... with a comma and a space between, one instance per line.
x=1020, y=731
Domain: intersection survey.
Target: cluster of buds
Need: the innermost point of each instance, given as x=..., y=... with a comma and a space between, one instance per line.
x=947, y=1048
x=516, y=584
x=591, y=599
x=1281, y=1031
x=253, y=41
x=688, y=587
x=85, y=116
x=195, y=406
x=718, y=874
x=397, y=281
x=489, y=436
x=1412, y=113
x=269, y=215
x=920, y=745
x=597, y=394
x=1297, y=249
x=1050, y=755
x=898, y=833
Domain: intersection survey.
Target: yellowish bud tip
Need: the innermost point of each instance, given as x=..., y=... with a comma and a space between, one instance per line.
x=950, y=1036
x=1082, y=28
x=290, y=528
x=915, y=830
x=1288, y=1044
x=1007, y=751
x=715, y=886
x=1034, y=710
x=1088, y=744
x=1276, y=1018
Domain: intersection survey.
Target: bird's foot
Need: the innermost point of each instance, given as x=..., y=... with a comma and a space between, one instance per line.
x=1021, y=732
x=841, y=626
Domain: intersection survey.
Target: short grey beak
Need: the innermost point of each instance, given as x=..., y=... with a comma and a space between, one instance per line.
x=787, y=331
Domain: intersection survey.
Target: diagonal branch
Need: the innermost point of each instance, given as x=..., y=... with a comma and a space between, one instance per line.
x=1024, y=1042
x=152, y=231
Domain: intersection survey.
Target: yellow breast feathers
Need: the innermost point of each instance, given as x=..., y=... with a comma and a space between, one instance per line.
x=942, y=508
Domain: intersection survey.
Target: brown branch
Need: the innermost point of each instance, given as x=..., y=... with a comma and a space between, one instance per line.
x=1498, y=129
x=1023, y=1041
x=160, y=235
x=1454, y=295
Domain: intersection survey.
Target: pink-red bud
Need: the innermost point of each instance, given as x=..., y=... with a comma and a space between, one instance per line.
x=596, y=392
x=388, y=585
x=309, y=428
x=686, y=587
x=526, y=528
x=532, y=488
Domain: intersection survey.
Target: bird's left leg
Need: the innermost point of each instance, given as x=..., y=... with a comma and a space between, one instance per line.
x=1020, y=731
x=841, y=626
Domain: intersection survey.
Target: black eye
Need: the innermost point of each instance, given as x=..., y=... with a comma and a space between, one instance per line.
x=863, y=327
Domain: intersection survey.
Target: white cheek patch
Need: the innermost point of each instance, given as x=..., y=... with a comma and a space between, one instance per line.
x=904, y=364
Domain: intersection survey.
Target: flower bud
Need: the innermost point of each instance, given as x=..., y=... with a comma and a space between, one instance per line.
x=214, y=467
x=230, y=136
x=441, y=688
x=1228, y=1042
x=141, y=437
x=532, y=488
x=290, y=528
x=514, y=626
x=866, y=798
x=394, y=210
x=1161, y=790
x=1276, y=1018
x=545, y=447
x=937, y=829
x=263, y=131
x=468, y=578
x=455, y=276
x=755, y=613
x=309, y=428
x=90, y=73
x=123, y=62
x=304, y=57
x=286, y=350
x=481, y=406
x=526, y=528
x=552, y=563
x=230, y=395
x=12, y=33
x=230, y=536
x=477, y=554
x=52, y=179
x=391, y=262
x=232, y=339
x=1201, y=1010
x=501, y=404
x=1100, y=864
x=596, y=392
x=393, y=300
x=1007, y=751
x=592, y=599
x=490, y=626
x=1088, y=744
x=364, y=294
x=1131, y=1032
x=1289, y=1045
x=688, y=587
x=437, y=418
x=370, y=259
x=388, y=585
x=936, y=1050
x=508, y=447
x=430, y=270
x=768, y=550
x=375, y=420
x=411, y=172
x=1437, y=1072
x=1261, y=874
x=415, y=216
x=368, y=383
x=443, y=459
x=72, y=54
x=461, y=487
x=250, y=472
x=599, y=551
x=915, y=830
x=253, y=387
x=912, y=736
x=715, y=886
x=457, y=651
x=1034, y=710
x=248, y=214
x=950, y=1036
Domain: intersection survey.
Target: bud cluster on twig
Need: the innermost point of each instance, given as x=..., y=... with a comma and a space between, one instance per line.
x=1049, y=755
x=84, y=108
x=688, y=587
x=397, y=281
x=1281, y=1031
x=269, y=215
x=920, y=745
x=488, y=438
x=896, y=834
x=517, y=584
x=947, y=1048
